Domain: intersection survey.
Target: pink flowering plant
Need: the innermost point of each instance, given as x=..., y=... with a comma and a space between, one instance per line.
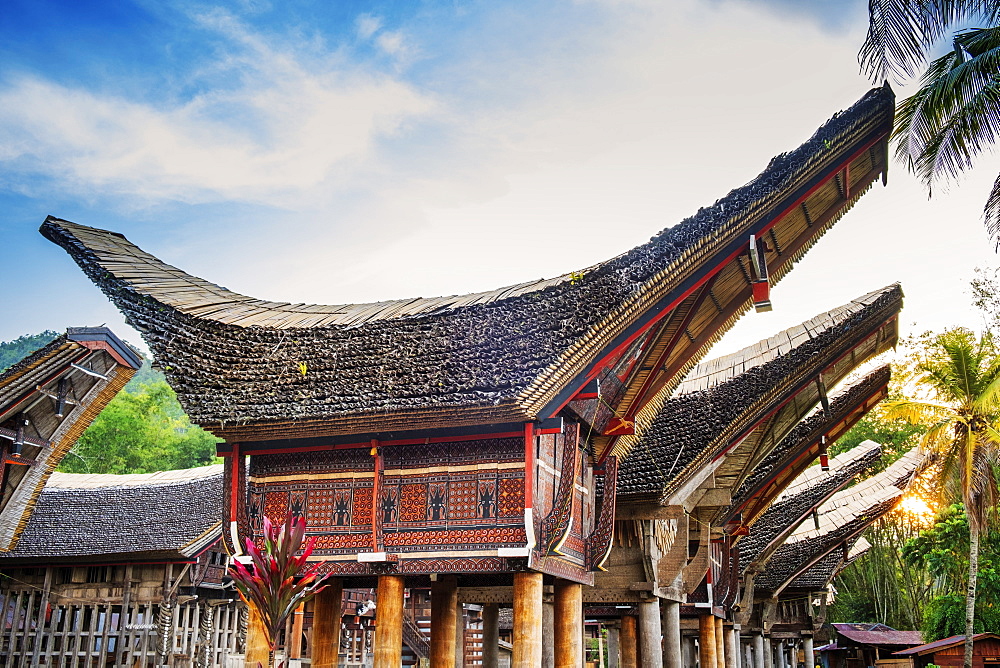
x=277, y=579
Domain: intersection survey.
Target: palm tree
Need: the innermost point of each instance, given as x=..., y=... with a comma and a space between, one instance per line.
x=955, y=114
x=962, y=375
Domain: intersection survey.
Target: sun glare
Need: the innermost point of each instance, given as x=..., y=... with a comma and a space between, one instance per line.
x=916, y=507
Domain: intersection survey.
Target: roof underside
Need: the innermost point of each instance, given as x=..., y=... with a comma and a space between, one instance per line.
x=746, y=403
x=84, y=368
x=513, y=354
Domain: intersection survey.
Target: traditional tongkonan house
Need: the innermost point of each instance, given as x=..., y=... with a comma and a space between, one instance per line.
x=47, y=400
x=677, y=523
x=473, y=441
x=791, y=589
x=121, y=571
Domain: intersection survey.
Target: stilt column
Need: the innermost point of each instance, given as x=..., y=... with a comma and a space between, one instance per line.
x=614, y=646
x=491, y=635
x=650, y=634
x=257, y=648
x=568, y=623
x=758, y=651
x=444, y=616
x=527, y=620
x=325, y=645
x=627, y=644
x=389, y=622
x=707, y=646
x=672, y=635
x=548, y=628
x=807, y=651
x=720, y=644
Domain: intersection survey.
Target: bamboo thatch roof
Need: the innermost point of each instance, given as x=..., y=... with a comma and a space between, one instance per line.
x=85, y=367
x=508, y=355
x=802, y=445
x=79, y=518
x=804, y=495
x=771, y=384
x=841, y=519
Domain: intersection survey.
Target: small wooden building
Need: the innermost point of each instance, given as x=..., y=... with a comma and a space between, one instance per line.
x=950, y=652
x=121, y=571
x=865, y=645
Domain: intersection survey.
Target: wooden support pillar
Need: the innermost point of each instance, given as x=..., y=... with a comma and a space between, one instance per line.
x=614, y=646
x=671, y=634
x=706, y=642
x=527, y=620
x=491, y=635
x=720, y=644
x=324, y=649
x=444, y=619
x=807, y=651
x=688, y=653
x=758, y=650
x=257, y=647
x=793, y=654
x=295, y=642
x=389, y=622
x=732, y=655
x=548, y=628
x=628, y=643
x=768, y=653
x=650, y=634
x=459, y=661
x=568, y=623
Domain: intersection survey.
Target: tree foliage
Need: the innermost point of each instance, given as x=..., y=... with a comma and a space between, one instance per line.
x=142, y=430
x=955, y=114
x=943, y=551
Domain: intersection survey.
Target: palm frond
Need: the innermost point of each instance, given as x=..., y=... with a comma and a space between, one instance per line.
x=901, y=32
x=991, y=213
x=955, y=114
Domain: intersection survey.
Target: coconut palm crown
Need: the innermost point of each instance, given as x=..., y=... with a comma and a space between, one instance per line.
x=962, y=375
x=955, y=113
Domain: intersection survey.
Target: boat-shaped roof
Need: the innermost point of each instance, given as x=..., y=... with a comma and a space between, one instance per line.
x=514, y=354
x=47, y=400
x=727, y=400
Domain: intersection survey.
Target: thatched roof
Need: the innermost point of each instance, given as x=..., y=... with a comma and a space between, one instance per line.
x=806, y=493
x=842, y=518
x=85, y=367
x=513, y=354
x=80, y=518
x=724, y=400
x=801, y=446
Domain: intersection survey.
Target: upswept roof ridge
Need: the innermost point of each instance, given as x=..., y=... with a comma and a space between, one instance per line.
x=806, y=493
x=84, y=517
x=489, y=357
x=690, y=426
x=810, y=430
x=841, y=519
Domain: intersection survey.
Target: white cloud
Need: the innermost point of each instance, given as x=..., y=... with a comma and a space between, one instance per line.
x=283, y=127
x=368, y=25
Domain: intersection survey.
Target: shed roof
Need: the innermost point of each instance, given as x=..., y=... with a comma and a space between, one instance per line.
x=512, y=354
x=944, y=643
x=877, y=634
x=79, y=518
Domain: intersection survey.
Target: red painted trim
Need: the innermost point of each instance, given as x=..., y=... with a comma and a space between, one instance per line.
x=601, y=363
x=106, y=347
x=746, y=432
x=375, y=490
x=408, y=441
x=234, y=483
x=529, y=463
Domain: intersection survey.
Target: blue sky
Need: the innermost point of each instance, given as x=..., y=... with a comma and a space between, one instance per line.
x=350, y=151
